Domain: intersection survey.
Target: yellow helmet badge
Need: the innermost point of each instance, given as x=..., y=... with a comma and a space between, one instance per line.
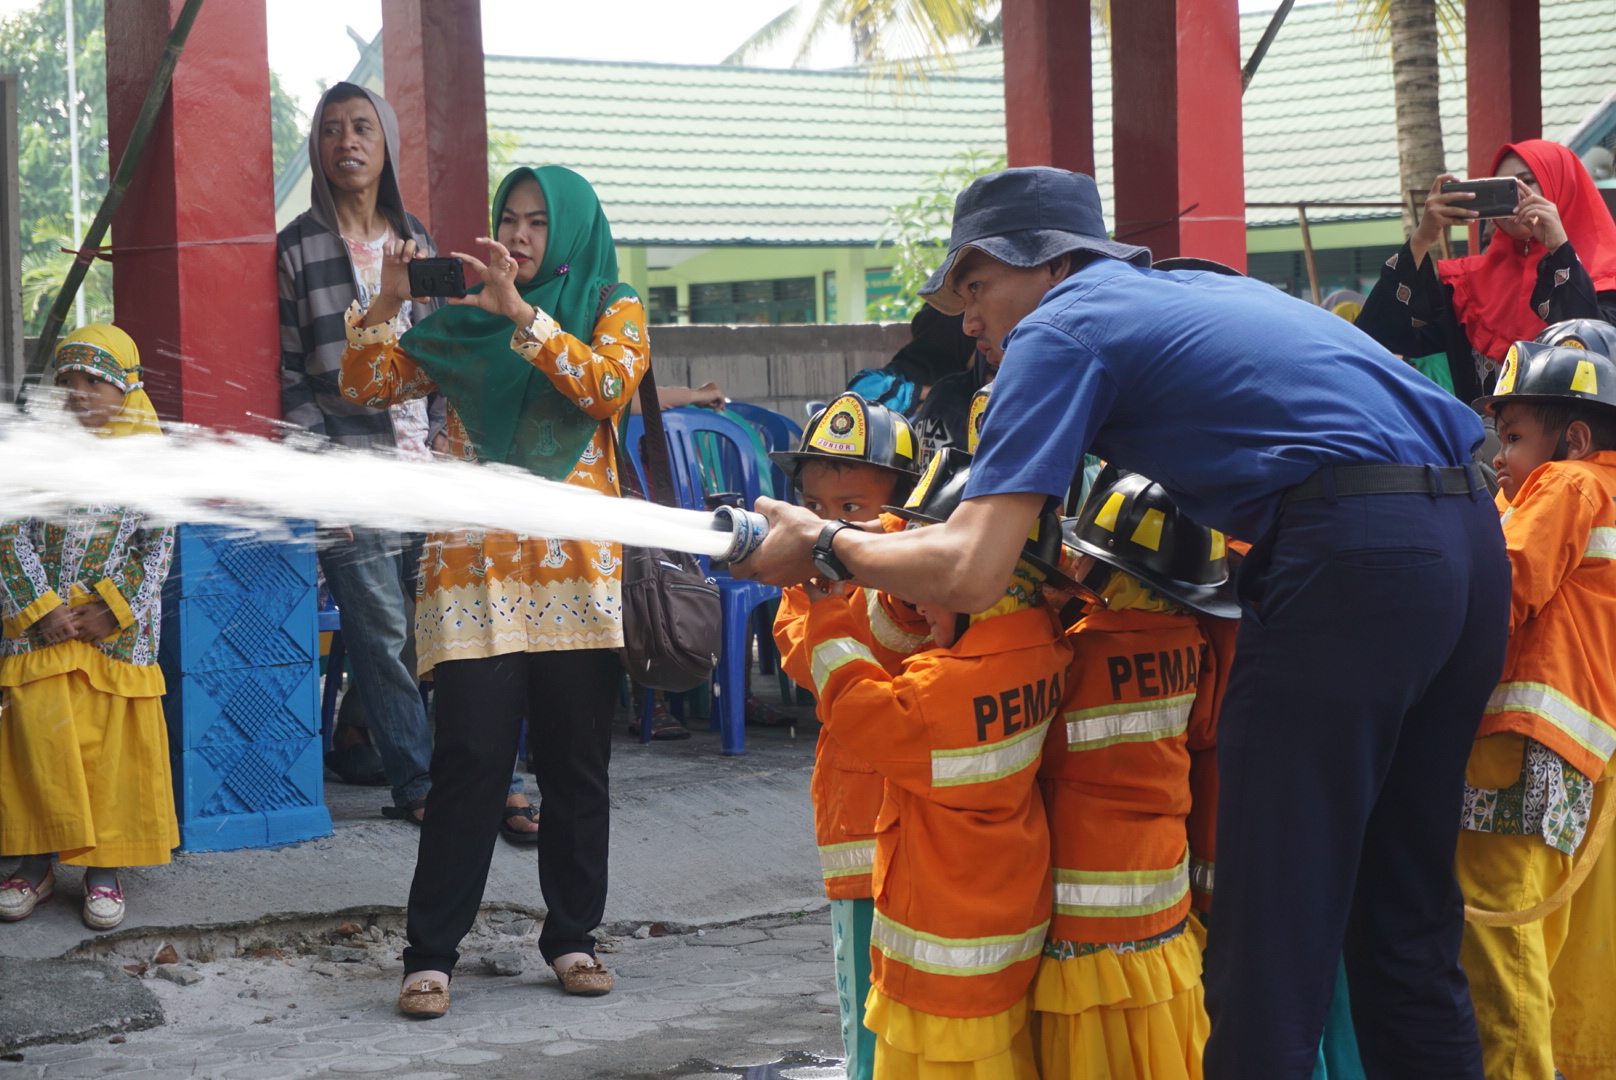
x=976, y=417
x=844, y=430
x=1506, y=377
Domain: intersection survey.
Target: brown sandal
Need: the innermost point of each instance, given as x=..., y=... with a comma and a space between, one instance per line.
x=586, y=978
x=424, y=999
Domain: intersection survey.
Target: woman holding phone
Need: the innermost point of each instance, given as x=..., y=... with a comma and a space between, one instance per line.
x=537, y=363
x=1553, y=259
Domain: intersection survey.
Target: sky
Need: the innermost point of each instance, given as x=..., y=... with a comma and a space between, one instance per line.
x=308, y=40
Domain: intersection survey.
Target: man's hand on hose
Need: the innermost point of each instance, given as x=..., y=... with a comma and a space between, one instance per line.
x=786, y=555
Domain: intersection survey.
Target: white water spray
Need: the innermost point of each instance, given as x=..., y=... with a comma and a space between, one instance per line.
x=49, y=465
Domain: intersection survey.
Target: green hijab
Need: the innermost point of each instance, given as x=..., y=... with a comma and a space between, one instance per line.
x=513, y=413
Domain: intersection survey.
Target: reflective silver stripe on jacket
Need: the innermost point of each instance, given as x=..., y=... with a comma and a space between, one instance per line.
x=981, y=764
x=846, y=860
x=832, y=654
x=1601, y=543
x=888, y=634
x=1201, y=874
x=1586, y=729
x=1120, y=893
x=954, y=956
x=1145, y=721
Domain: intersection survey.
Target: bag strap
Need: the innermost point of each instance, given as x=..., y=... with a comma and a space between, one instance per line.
x=658, y=468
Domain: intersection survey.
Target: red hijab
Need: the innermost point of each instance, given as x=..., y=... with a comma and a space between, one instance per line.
x=1492, y=292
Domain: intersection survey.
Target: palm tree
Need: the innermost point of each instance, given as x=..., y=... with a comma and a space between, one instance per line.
x=896, y=33
x=1415, y=32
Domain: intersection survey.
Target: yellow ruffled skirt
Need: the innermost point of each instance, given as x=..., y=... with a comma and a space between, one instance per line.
x=1129, y=1016
x=912, y=1045
x=84, y=759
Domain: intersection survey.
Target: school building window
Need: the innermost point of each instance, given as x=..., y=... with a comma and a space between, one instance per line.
x=662, y=304
x=1339, y=268
x=787, y=300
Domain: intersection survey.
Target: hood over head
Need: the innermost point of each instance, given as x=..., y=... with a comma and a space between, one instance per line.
x=322, y=204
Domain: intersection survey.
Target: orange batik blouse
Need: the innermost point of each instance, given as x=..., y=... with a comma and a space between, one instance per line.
x=489, y=593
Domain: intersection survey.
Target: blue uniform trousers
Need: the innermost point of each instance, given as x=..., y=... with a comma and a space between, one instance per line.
x=1373, y=633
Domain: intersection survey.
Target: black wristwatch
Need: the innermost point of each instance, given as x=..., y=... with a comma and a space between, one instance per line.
x=825, y=556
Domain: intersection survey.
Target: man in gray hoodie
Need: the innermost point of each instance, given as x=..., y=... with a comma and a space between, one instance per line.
x=330, y=257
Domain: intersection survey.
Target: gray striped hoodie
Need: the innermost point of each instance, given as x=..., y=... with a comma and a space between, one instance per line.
x=317, y=283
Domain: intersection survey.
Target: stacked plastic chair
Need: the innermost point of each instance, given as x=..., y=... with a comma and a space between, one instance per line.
x=739, y=475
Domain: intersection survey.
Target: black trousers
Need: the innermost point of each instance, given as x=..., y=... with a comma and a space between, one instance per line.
x=1374, y=631
x=568, y=699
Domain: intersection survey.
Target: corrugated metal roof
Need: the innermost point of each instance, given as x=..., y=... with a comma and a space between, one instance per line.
x=735, y=156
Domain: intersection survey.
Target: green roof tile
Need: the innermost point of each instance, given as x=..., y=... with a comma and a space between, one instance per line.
x=734, y=155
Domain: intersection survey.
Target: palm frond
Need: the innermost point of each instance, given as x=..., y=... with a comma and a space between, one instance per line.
x=1374, y=21
x=770, y=33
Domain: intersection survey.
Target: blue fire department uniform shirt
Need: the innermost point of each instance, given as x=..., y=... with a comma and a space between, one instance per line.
x=1224, y=390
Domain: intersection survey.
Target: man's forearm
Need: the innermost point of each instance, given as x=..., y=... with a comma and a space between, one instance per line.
x=963, y=564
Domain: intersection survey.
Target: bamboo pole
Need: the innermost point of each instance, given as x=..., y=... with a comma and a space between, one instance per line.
x=1307, y=252
x=147, y=120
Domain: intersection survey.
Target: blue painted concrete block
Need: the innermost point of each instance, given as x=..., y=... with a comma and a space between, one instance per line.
x=240, y=651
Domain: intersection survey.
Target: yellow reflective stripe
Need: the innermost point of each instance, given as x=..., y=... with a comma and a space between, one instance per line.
x=832, y=654
x=1107, y=894
x=1601, y=543
x=846, y=860
x=887, y=633
x=994, y=761
x=1146, y=721
x=1201, y=874
x=1586, y=729
x=954, y=956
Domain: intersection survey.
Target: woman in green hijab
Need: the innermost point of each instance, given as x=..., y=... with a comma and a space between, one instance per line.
x=536, y=363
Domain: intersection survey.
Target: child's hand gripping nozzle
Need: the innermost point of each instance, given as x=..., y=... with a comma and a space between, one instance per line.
x=746, y=528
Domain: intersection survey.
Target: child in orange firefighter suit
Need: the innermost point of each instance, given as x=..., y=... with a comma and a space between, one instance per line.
x=1537, y=783
x=961, y=881
x=1118, y=993
x=853, y=459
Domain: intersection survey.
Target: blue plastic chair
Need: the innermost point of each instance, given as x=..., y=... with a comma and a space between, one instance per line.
x=779, y=432
x=739, y=598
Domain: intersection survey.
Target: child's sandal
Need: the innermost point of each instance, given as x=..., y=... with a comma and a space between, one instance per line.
x=103, y=907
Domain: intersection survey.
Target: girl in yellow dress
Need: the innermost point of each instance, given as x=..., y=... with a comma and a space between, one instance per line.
x=83, y=747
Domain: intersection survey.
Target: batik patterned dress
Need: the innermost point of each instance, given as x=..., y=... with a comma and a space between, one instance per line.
x=96, y=788
x=488, y=593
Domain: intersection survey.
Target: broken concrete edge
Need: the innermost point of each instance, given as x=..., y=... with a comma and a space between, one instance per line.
x=143, y=1021
x=147, y=1014
x=205, y=942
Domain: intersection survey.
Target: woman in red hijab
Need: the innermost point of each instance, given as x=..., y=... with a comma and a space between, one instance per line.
x=1554, y=259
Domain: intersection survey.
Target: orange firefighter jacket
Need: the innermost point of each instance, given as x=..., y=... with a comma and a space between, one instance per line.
x=1116, y=776
x=962, y=888
x=1559, y=684
x=1202, y=824
x=846, y=790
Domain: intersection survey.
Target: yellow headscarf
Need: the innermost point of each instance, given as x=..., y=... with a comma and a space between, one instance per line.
x=1022, y=593
x=1124, y=592
x=107, y=353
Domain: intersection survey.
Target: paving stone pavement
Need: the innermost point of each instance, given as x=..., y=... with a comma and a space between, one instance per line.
x=756, y=1000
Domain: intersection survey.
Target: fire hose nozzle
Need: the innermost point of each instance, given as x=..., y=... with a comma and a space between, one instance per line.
x=746, y=529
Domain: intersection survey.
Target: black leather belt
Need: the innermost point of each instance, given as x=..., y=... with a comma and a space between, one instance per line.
x=1342, y=481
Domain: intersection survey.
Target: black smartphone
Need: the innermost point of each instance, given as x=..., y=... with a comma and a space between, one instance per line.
x=1496, y=196
x=437, y=277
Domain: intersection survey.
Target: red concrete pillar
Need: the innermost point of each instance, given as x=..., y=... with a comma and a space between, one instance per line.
x=1503, y=77
x=1048, y=88
x=432, y=52
x=1178, y=168
x=194, y=284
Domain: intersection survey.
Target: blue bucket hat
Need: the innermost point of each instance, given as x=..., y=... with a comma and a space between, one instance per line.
x=1026, y=217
